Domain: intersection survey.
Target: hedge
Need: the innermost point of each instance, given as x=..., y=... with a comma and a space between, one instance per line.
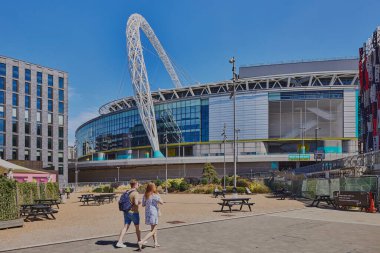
x=8, y=201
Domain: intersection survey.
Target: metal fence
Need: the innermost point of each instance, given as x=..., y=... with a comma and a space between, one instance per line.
x=310, y=187
x=361, y=161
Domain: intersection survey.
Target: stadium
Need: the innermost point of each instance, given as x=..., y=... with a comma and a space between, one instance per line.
x=287, y=116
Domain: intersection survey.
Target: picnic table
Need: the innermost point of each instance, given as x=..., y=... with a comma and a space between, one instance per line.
x=216, y=193
x=287, y=194
x=40, y=210
x=50, y=202
x=322, y=198
x=236, y=201
x=99, y=199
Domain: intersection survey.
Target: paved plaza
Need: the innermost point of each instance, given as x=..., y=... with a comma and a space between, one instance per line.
x=312, y=231
x=273, y=226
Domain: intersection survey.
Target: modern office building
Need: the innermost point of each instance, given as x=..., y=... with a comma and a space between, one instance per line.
x=369, y=73
x=33, y=114
x=284, y=114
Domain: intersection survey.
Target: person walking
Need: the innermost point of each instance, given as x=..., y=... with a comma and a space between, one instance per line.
x=151, y=200
x=129, y=204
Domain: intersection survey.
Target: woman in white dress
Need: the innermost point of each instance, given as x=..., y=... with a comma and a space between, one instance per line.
x=151, y=200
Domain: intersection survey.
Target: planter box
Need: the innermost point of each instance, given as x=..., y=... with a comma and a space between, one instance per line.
x=12, y=223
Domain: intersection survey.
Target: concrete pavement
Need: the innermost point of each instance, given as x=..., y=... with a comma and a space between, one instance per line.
x=307, y=230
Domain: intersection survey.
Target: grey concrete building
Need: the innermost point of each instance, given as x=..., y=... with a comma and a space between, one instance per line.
x=34, y=114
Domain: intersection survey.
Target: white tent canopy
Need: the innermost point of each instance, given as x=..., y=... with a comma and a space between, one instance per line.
x=8, y=166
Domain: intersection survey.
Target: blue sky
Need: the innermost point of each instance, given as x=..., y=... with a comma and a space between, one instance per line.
x=86, y=38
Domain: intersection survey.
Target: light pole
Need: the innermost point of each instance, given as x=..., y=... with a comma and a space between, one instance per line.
x=233, y=95
x=224, y=154
x=76, y=164
x=237, y=144
x=166, y=162
x=316, y=143
x=301, y=131
x=118, y=174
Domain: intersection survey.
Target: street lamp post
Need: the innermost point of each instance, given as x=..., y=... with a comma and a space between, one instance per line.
x=166, y=162
x=234, y=79
x=316, y=143
x=237, y=144
x=224, y=154
x=118, y=174
x=76, y=165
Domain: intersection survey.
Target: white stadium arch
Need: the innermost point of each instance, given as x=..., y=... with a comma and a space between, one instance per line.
x=139, y=75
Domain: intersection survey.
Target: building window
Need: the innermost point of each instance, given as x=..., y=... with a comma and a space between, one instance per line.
x=15, y=72
x=39, y=104
x=15, y=85
x=50, y=118
x=14, y=113
x=61, y=107
x=38, y=155
x=2, y=139
x=60, y=157
x=60, y=120
x=50, y=156
x=2, y=153
x=26, y=155
x=60, y=132
x=2, y=111
x=50, y=80
x=27, y=74
x=50, y=93
x=50, y=130
x=61, y=95
x=39, y=77
x=50, y=143
x=27, y=101
x=3, y=69
x=2, y=97
x=27, y=128
x=14, y=140
x=14, y=127
x=38, y=116
x=27, y=141
x=15, y=99
x=60, y=170
x=2, y=125
x=60, y=144
x=27, y=88
x=39, y=142
x=39, y=91
x=27, y=115
x=14, y=154
x=50, y=105
x=61, y=82
x=39, y=129
x=2, y=83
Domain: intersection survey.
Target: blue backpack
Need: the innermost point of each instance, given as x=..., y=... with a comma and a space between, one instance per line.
x=125, y=204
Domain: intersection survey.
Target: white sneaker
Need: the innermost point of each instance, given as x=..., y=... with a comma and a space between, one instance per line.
x=120, y=245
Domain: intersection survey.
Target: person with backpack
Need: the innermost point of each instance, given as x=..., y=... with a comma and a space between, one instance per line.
x=129, y=204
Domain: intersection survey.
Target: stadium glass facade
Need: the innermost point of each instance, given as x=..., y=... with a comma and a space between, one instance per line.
x=281, y=114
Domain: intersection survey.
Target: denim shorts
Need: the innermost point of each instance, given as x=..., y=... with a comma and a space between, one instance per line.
x=131, y=217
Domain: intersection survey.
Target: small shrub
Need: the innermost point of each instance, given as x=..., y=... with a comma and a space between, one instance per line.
x=239, y=189
x=158, y=182
x=98, y=190
x=123, y=188
x=216, y=180
x=183, y=186
x=204, y=181
x=256, y=187
x=192, y=180
x=242, y=182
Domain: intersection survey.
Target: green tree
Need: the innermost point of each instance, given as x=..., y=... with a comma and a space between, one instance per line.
x=209, y=172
